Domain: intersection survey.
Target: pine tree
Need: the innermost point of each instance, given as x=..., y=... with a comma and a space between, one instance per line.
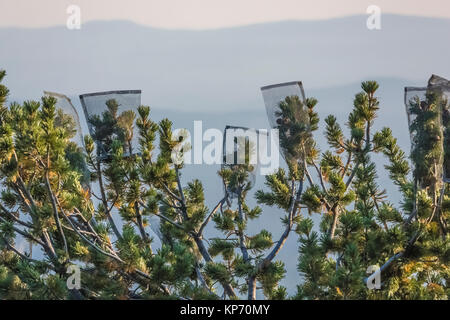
x=90, y=206
x=360, y=228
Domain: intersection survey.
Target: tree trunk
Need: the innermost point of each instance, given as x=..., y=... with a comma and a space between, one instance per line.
x=204, y=252
x=252, y=288
x=333, y=226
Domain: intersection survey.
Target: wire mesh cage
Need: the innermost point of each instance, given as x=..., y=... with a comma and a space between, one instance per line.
x=276, y=93
x=240, y=148
x=68, y=116
x=427, y=109
x=64, y=104
x=286, y=110
x=413, y=97
x=112, y=115
x=442, y=87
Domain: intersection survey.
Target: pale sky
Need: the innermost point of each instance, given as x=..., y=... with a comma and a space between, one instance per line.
x=205, y=14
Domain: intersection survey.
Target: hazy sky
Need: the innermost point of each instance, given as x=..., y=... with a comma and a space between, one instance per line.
x=204, y=14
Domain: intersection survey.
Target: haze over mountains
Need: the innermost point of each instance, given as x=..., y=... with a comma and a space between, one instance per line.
x=216, y=75
x=221, y=69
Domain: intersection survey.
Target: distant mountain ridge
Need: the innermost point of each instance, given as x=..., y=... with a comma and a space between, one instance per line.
x=220, y=69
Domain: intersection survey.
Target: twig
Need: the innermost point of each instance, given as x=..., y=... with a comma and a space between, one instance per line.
x=55, y=213
x=221, y=202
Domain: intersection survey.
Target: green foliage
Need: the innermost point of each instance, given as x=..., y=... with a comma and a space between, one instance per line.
x=92, y=207
x=375, y=232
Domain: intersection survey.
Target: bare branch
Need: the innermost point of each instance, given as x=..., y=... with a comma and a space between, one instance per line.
x=24, y=233
x=55, y=212
x=208, y=218
x=12, y=216
x=105, y=202
x=240, y=234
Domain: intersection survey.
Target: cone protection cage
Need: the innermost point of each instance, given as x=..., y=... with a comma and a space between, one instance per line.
x=287, y=93
x=128, y=101
x=419, y=100
x=64, y=104
x=240, y=147
x=276, y=93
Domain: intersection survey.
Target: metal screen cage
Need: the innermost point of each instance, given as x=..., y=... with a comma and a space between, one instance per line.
x=64, y=104
x=417, y=99
x=239, y=147
x=442, y=87
x=276, y=94
x=94, y=104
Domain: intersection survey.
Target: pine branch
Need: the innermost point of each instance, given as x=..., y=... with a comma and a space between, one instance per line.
x=55, y=213
x=25, y=233
x=163, y=217
x=208, y=218
x=202, y=281
x=319, y=173
x=141, y=226
x=13, y=217
x=280, y=243
x=240, y=233
x=180, y=191
x=105, y=202
x=23, y=256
